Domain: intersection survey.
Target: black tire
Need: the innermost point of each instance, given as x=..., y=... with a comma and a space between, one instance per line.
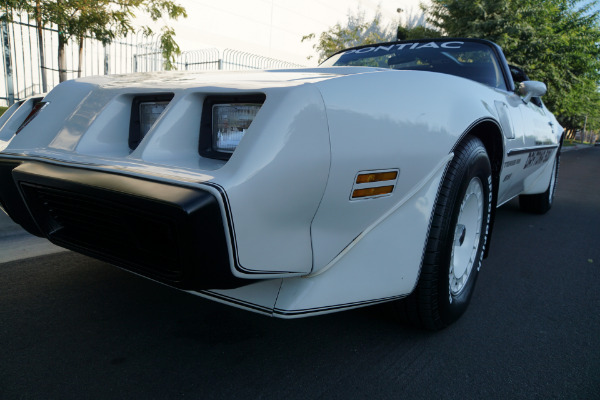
x=441, y=297
x=541, y=203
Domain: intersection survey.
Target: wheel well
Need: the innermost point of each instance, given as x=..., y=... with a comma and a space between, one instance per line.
x=490, y=134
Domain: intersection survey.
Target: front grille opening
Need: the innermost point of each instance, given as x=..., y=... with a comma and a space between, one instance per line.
x=140, y=240
x=169, y=233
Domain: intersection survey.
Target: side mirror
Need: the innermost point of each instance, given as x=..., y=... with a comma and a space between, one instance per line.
x=529, y=89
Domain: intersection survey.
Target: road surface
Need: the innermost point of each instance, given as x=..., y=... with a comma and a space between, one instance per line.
x=73, y=328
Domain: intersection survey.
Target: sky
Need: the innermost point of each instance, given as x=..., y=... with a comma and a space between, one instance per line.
x=273, y=28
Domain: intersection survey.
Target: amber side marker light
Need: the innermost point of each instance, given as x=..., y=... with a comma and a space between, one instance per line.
x=377, y=177
x=370, y=192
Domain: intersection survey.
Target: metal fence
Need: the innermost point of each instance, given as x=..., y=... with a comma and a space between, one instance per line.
x=29, y=62
x=236, y=60
x=206, y=59
x=211, y=59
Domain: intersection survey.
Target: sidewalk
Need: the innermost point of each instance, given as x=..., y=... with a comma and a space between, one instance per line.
x=576, y=146
x=16, y=244
x=7, y=227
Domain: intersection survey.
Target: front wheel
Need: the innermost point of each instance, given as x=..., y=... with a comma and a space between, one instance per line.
x=456, y=240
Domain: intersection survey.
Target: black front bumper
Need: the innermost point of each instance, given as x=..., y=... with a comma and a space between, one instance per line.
x=168, y=233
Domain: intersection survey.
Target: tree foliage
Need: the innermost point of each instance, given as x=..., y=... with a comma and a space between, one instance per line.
x=357, y=31
x=103, y=20
x=417, y=32
x=555, y=41
x=415, y=27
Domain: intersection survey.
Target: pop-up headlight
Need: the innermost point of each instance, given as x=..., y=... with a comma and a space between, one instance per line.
x=145, y=111
x=149, y=113
x=229, y=124
x=225, y=121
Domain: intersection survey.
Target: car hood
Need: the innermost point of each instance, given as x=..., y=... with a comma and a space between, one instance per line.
x=225, y=79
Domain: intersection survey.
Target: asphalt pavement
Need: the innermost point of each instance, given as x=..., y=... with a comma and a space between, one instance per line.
x=72, y=327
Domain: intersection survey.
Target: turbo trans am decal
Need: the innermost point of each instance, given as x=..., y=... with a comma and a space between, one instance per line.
x=537, y=157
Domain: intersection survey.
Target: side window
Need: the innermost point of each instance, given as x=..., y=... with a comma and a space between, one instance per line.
x=518, y=74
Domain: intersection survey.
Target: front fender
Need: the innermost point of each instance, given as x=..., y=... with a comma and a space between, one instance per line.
x=389, y=120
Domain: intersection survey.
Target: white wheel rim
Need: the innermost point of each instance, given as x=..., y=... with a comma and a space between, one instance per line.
x=467, y=235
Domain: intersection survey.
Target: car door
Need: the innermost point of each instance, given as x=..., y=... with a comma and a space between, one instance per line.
x=531, y=140
x=533, y=144
x=539, y=125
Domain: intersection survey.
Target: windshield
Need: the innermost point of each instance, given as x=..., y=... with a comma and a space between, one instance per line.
x=471, y=60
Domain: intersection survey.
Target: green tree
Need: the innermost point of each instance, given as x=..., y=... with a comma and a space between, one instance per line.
x=103, y=20
x=555, y=41
x=415, y=27
x=357, y=31
x=417, y=32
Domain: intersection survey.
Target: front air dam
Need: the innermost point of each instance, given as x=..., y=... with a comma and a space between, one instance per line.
x=168, y=233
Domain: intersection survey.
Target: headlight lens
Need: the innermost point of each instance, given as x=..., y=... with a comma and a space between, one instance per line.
x=145, y=111
x=229, y=124
x=149, y=113
x=225, y=121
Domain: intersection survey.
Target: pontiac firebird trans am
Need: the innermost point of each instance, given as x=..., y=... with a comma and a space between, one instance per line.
x=372, y=178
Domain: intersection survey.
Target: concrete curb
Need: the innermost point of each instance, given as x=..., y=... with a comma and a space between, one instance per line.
x=8, y=228
x=12, y=232
x=18, y=244
x=20, y=247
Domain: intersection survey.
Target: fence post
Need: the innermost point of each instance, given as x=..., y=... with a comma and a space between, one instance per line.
x=220, y=63
x=40, y=37
x=8, y=72
x=106, y=59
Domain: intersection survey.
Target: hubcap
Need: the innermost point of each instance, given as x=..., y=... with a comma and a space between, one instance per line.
x=466, y=236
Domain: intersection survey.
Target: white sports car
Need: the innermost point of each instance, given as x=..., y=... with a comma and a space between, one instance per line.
x=374, y=177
